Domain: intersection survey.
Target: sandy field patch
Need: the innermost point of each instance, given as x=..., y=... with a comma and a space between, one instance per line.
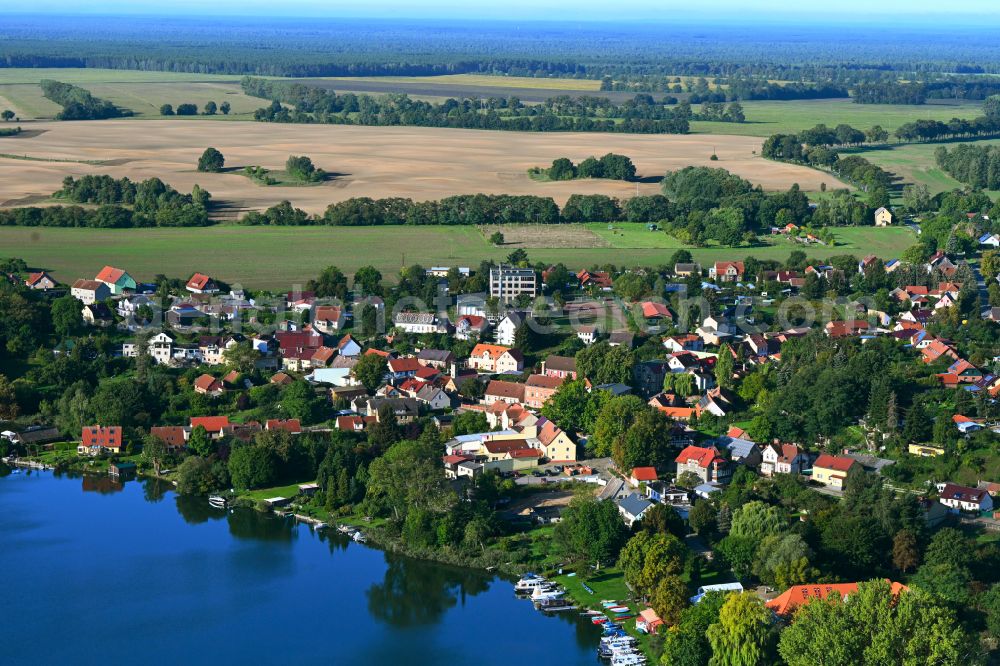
x=545, y=235
x=420, y=163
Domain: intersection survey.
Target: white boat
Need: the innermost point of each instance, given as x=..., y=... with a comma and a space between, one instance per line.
x=359, y=537
x=549, y=592
x=218, y=501
x=319, y=526
x=528, y=585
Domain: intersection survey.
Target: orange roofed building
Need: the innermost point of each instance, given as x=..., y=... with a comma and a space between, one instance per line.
x=791, y=599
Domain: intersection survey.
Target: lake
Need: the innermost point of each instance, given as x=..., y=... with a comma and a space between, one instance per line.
x=96, y=572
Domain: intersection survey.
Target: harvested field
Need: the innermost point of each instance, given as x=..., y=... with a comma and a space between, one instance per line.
x=415, y=162
x=546, y=236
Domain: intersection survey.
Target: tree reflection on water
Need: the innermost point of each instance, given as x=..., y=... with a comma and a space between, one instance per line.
x=415, y=593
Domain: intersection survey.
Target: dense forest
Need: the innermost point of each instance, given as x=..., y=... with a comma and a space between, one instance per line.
x=316, y=104
x=79, y=104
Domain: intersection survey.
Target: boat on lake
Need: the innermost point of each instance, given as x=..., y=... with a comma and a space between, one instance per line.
x=359, y=537
x=218, y=501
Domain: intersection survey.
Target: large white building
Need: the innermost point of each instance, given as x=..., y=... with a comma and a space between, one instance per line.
x=509, y=282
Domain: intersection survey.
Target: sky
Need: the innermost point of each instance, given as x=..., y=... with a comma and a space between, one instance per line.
x=620, y=10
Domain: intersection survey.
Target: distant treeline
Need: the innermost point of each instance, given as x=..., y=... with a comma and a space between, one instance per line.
x=975, y=166
x=314, y=104
x=78, y=103
x=469, y=209
x=121, y=204
x=893, y=92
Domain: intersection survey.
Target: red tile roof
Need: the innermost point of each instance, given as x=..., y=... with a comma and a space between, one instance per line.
x=799, y=595
x=838, y=463
x=210, y=423
x=704, y=457
x=198, y=281
x=644, y=473
x=110, y=274
x=288, y=425
x=172, y=436
x=404, y=365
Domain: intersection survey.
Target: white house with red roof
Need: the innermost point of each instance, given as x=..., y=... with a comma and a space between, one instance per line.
x=726, y=271
x=201, y=284
x=642, y=475
x=704, y=462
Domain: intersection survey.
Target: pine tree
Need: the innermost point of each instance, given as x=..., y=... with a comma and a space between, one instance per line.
x=891, y=413
x=725, y=519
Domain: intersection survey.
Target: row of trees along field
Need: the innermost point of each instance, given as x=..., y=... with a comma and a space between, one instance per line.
x=315, y=104
x=78, y=103
x=189, y=109
x=120, y=203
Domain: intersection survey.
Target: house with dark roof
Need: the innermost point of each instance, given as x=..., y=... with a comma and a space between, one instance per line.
x=961, y=498
x=539, y=388
x=89, y=291
x=328, y=318
x=174, y=437
x=563, y=367
x=501, y=391
x=633, y=507
x=741, y=451
x=435, y=358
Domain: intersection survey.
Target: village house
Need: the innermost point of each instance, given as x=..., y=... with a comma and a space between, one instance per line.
x=347, y=346
x=509, y=392
x=687, y=342
x=563, y=367
x=555, y=444
x=471, y=327
x=990, y=240
x=89, y=292
x=213, y=425
x=214, y=347
x=741, y=451
x=655, y=312
x=201, y=284
x=640, y=475
x=96, y=439
x=705, y=463
x=433, y=397
x=401, y=368
x=97, y=314
x=600, y=280
x=406, y=410
x=621, y=339
x=41, y=281
x=961, y=498
x=686, y=270
x=208, y=385
x=328, y=319
x=782, y=459
x=297, y=348
x=291, y=426
x=173, y=437
x=588, y=333
x=539, y=388
x=832, y=471
x=117, y=280
x=883, y=217
x=496, y=359
x=436, y=358
x=633, y=508
x=322, y=356
x=925, y=450
x=506, y=329
x=726, y=271
x=160, y=347
x=785, y=604
x=416, y=323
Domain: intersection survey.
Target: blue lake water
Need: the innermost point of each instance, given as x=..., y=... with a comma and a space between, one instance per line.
x=95, y=572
